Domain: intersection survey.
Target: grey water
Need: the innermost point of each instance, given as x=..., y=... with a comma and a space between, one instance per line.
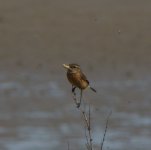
x=37, y=113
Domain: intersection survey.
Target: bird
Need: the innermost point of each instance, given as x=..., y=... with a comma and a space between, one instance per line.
x=77, y=78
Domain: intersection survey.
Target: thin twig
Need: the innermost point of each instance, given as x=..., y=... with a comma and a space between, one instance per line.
x=105, y=130
x=89, y=129
x=87, y=140
x=87, y=120
x=78, y=103
x=74, y=96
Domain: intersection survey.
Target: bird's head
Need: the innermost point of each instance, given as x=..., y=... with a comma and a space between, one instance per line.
x=73, y=68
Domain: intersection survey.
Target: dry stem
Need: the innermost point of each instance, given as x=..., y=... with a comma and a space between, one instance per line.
x=88, y=135
x=106, y=126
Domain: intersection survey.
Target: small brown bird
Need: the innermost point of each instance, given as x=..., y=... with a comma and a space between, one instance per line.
x=77, y=78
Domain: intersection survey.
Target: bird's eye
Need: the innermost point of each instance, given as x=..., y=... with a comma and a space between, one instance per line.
x=74, y=66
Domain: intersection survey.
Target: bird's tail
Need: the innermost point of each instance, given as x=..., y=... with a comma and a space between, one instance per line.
x=92, y=89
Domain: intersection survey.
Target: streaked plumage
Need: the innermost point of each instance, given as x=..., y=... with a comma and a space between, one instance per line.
x=76, y=77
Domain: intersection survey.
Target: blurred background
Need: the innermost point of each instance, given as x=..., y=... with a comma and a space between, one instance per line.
x=110, y=39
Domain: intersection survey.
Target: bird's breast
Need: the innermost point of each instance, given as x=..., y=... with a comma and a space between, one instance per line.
x=76, y=80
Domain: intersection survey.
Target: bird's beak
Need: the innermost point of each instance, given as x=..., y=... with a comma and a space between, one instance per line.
x=66, y=66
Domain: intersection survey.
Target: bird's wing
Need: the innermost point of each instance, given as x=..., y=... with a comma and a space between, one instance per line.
x=83, y=77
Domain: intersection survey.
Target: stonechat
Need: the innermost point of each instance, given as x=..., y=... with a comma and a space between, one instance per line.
x=77, y=79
